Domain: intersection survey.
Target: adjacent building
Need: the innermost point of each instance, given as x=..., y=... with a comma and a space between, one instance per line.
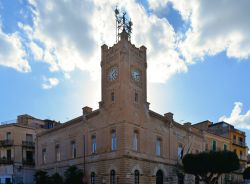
x=223, y=136
x=237, y=138
x=17, y=148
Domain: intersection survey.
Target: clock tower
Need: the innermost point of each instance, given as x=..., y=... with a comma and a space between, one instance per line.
x=124, y=75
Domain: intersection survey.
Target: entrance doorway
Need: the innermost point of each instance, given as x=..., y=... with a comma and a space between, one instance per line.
x=159, y=177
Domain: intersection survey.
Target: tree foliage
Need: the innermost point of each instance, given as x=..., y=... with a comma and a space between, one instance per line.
x=209, y=166
x=246, y=173
x=73, y=175
x=56, y=179
x=41, y=177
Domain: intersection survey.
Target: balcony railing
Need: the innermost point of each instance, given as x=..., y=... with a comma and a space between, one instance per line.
x=239, y=143
x=243, y=144
x=6, y=161
x=29, y=162
x=6, y=142
x=243, y=158
x=28, y=144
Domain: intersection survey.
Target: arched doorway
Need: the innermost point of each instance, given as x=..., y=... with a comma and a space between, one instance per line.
x=159, y=177
x=137, y=177
x=112, y=177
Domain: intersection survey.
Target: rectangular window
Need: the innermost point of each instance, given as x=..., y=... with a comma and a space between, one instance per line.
x=29, y=138
x=113, y=140
x=73, y=149
x=29, y=156
x=241, y=155
x=8, y=135
x=135, y=141
x=214, y=145
x=112, y=96
x=57, y=153
x=180, y=152
x=136, y=97
x=44, y=156
x=158, y=147
x=234, y=139
x=9, y=154
x=225, y=147
x=93, y=144
x=240, y=141
x=206, y=147
x=50, y=125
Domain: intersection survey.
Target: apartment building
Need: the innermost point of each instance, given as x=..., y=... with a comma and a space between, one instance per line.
x=237, y=137
x=17, y=148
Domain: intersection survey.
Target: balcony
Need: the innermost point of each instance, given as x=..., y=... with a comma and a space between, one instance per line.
x=29, y=162
x=6, y=143
x=28, y=144
x=243, y=158
x=243, y=144
x=239, y=143
x=5, y=161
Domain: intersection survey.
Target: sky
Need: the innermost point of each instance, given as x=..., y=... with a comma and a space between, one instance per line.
x=198, y=57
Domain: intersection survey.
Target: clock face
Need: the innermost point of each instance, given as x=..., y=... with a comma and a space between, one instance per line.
x=136, y=75
x=113, y=73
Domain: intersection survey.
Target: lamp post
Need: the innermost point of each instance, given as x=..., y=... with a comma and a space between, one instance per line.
x=84, y=178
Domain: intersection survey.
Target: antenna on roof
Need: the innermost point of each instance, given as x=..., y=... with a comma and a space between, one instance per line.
x=122, y=24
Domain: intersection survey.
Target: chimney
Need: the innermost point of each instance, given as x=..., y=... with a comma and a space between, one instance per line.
x=187, y=124
x=86, y=110
x=169, y=116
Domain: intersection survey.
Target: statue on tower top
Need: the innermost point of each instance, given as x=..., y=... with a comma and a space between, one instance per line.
x=123, y=25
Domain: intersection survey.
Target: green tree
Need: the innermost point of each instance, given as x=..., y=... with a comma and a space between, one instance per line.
x=56, y=179
x=73, y=175
x=246, y=173
x=41, y=177
x=209, y=166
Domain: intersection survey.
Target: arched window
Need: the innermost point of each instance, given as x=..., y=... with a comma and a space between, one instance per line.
x=57, y=153
x=93, y=178
x=93, y=143
x=135, y=141
x=180, y=151
x=137, y=177
x=158, y=147
x=112, y=177
x=113, y=140
x=73, y=149
x=112, y=96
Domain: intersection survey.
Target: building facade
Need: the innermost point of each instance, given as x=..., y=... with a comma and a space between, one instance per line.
x=17, y=148
x=236, y=137
x=223, y=136
x=123, y=141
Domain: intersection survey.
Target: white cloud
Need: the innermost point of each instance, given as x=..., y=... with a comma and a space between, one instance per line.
x=156, y=4
x=72, y=33
x=49, y=82
x=236, y=118
x=216, y=26
x=63, y=28
x=36, y=50
x=11, y=52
